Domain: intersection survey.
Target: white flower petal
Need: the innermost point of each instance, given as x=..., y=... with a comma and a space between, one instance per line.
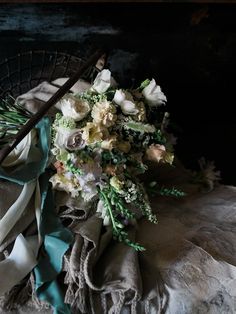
x=128, y=107
x=102, y=82
x=119, y=96
x=153, y=94
x=74, y=108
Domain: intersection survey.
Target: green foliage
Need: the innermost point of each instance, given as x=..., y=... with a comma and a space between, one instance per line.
x=139, y=127
x=171, y=192
x=115, y=157
x=70, y=167
x=119, y=204
x=110, y=199
x=144, y=84
x=158, y=137
x=154, y=189
x=138, y=165
x=12, y=117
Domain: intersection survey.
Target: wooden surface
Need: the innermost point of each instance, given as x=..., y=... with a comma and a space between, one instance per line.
x=189, y=48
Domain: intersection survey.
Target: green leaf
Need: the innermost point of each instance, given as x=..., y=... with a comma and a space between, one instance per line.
x=144, y=84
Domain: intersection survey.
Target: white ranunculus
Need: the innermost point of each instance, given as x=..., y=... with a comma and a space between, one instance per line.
x=74, y=108
x=102, y=82
x=153, y=94
x=126, y=102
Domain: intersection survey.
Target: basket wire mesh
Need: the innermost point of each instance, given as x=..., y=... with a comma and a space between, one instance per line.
x=26, y=70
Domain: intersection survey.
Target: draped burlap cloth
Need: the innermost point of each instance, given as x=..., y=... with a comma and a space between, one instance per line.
x=189, y=265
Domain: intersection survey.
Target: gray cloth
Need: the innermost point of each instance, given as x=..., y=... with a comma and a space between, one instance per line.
x=189, y=264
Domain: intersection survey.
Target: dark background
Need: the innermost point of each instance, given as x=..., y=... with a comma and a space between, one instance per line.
x=189, y=48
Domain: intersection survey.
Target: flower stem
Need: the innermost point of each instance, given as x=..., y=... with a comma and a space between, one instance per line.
x=109, y=209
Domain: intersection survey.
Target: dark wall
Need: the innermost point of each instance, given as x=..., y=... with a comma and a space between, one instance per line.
x=189, y=48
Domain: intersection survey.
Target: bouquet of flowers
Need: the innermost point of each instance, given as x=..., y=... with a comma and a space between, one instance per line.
x=101, y=140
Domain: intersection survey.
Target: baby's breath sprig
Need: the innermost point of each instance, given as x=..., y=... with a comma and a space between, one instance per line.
x=142, y=203
x=91, y=97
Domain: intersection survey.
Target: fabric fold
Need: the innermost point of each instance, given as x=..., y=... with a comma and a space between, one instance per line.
x=15, y=211
x=32, y=169
x=18, y=264
x=101, y=273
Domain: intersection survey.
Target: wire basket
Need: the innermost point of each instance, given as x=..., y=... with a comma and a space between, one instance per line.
x=26, y=70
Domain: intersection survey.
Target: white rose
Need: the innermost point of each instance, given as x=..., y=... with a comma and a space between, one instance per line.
x=126, y=102
x=74, y=108
x=102, y=82
x=153, y=94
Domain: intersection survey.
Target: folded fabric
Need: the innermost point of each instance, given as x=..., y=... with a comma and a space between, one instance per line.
x=34, y=167
x=18, y=264
x=37, y=96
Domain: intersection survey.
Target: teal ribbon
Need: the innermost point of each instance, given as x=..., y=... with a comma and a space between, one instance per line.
x=56, y=238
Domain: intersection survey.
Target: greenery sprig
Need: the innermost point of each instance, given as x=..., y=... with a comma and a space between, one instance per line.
x=109, y=198
x=73, y=169
x=154, y=189
x=12, y=117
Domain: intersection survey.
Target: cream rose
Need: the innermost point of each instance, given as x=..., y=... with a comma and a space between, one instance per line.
x=155, y=152
x=153, y=94
x=158, y=153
